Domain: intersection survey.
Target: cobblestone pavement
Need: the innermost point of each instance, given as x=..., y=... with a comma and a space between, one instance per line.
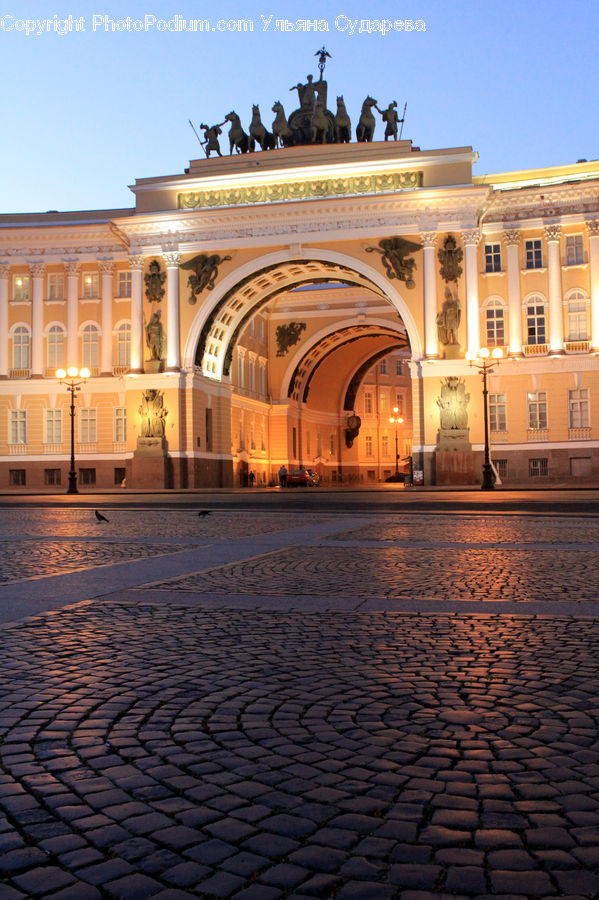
x=166, y=752
x=466, y=574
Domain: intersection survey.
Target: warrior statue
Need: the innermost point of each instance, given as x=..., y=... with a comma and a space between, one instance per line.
x=448, y=319
x=152, y=414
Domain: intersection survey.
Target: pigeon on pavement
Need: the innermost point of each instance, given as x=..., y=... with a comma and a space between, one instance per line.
x=100, y=517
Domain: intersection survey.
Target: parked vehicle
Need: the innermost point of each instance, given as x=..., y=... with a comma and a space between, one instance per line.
x=303, y=478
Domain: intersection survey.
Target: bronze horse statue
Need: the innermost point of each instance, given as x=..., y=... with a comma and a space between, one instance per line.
x=366, y=125
x=238, y=139
x=258, y=133
x=342, y=122
x=281, y=130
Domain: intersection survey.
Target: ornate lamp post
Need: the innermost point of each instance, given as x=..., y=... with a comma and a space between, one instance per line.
x=396, y=420
x=484, y=360
x=68, y=378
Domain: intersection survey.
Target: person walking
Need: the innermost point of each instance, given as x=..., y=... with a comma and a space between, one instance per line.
x=283, y=476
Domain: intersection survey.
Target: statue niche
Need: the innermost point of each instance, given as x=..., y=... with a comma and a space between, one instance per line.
x=153, y=414
x=448, y=323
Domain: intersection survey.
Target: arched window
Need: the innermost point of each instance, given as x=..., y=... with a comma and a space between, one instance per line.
x=55, y=347
x=536, y=322
x=91, y=342
x=494, y=322
x=21, y=346
x=123, y=346
x=578, y=329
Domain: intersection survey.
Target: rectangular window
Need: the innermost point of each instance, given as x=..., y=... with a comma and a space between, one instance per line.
x=574, y=249
x=17, y=477
x=120, y=424
x=367, y=402
x=492, y=257
x=399, y=367
x=578, y=408
x=91, y=285
x=383, y=367
x=252, y=375
x=399, y=404
x=294, y=442
x=52, y=476
x=332, y=444
x=21, y=288
x=535, y=324
x=538, y=467
x=87, y=476
x=534, y=254
x=120, y=476
x=241, y=371
x=18, y=426
x=123, y=284
x=577, y=320
x=495, y=326
x=368, y=444
x=56, y=286
x=385, y=445
x=54, y=426
x=208, y=422
x=497, y=412
x=537, y=411
x=501, y=466
x=371, y=475
x=383, y=403
x=87, y=425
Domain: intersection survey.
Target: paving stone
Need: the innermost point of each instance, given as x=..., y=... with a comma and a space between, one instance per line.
x=414, y=876
x=133, y=887
x=42, y=880
x=531, y=883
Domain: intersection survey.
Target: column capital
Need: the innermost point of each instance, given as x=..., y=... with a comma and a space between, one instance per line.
x=106, y=266
x=72, y=266
x=4, y=269
x=136, y=261
x=552, y=233
x=429, y=238
x=471, y=237
x=512, y=237
x=593, y=227
x=172, y=258
x=37, y=269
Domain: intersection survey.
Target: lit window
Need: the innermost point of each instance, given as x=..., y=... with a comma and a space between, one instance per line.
x=495, y=324
x=56, y=286
x=367, y=402
x=21, y=344
x=332, y=444
x=240, y=371
x=87, y=425
x=537, y=411
x=497, y=412
x=368, y=445
x=577, y=317
x=574, y=249
x=18, y=426
x=578, y=408
x=399, y=404
x=123, y=344
x=536, y=329
x=91, y=343
x=123, y=284
x=21, y=287
x=383, y=403
x=385, y=445
x=120, y=424
x=54, y=426
x=492, y=257
x=534, y=254
x=538, y=467
x=55, y=347
x=91, y=285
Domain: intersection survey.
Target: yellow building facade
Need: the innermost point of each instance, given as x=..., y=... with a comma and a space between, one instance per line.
x=278, y=306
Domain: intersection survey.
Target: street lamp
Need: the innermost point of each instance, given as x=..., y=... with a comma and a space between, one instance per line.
x=68, y=378
x=396, y=420
x=484, y=361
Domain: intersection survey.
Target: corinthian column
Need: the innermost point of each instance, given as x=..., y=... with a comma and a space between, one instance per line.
x=106, y=268
x=471, y=239
x=137, y=344
x=554, y=275
x=512, y=239
x=37, y=320
x=173, y=352
x=72, y=270
x=431, y=339
x=4, y=269
x=593, y=229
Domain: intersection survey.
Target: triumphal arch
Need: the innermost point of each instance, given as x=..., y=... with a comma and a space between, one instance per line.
x=281, y=303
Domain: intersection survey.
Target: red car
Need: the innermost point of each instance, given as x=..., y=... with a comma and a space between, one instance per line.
x=303, y=478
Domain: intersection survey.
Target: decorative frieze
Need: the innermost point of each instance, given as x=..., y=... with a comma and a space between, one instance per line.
x=304, y=190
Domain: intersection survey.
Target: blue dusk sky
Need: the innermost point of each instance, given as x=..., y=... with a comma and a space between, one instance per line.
x=89, y=111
